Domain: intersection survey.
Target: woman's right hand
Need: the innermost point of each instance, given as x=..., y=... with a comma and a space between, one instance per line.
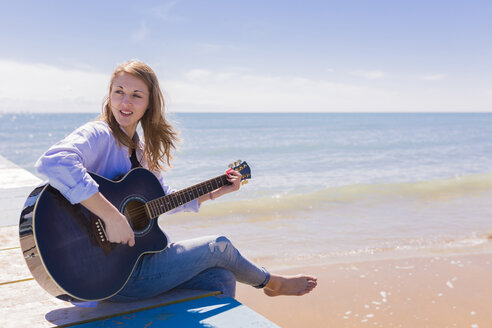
x=118, y=229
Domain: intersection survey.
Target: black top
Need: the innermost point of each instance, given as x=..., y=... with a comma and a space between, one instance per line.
x=134, y=160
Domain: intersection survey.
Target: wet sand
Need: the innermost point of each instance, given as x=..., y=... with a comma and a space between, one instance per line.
x=443, y=291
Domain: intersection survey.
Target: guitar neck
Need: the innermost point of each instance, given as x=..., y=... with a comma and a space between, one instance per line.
x=169, y=202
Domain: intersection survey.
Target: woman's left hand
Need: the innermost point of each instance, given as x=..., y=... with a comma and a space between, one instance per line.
x=234, y=177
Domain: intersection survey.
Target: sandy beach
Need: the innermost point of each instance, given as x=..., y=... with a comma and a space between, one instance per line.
x=444, y=291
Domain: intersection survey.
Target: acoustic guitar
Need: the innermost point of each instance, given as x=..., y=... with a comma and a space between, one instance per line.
x=66, y=248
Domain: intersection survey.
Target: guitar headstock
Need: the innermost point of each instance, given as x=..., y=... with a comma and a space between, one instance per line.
x=243, y=168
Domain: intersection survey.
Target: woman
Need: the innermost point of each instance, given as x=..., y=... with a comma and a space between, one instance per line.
x=108, y=147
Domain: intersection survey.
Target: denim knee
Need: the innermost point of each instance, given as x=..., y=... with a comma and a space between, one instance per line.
x=220, y=243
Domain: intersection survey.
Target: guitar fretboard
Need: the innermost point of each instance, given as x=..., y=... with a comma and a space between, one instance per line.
x=169, y=202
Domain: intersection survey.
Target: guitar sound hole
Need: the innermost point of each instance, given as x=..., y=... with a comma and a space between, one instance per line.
x=136, y=215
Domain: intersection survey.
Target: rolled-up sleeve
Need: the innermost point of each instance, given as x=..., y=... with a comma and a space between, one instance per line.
x=64, y=164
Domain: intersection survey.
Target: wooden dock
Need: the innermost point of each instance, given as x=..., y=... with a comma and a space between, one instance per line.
x=25, y=304
x=15, y=184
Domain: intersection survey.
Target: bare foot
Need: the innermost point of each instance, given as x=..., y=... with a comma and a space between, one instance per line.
x=290, y=285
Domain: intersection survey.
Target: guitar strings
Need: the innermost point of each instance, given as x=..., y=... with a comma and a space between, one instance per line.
x=139, y=214
x=174, y=201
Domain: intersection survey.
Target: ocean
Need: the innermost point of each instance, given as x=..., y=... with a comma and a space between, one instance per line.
x=325, y=188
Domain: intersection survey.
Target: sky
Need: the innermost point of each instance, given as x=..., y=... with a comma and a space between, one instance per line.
x=252, y=56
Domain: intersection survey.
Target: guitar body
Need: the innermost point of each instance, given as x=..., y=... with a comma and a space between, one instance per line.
x=65, y=246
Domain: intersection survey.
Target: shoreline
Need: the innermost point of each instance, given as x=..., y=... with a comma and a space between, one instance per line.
x=431, y=291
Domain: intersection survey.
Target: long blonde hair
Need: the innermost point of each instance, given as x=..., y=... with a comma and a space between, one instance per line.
x=159, y=136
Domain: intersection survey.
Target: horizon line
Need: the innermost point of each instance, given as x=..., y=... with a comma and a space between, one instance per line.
x=268, y=112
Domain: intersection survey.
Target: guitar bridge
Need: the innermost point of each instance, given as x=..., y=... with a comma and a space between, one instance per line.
x=100, y=234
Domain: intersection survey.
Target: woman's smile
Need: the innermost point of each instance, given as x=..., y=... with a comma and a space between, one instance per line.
x=126, y=112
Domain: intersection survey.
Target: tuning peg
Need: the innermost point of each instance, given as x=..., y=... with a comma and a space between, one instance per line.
x=230, y=166
x=239, y=161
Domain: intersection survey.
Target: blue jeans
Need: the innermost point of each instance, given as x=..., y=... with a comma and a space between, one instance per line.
x=209, y=263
